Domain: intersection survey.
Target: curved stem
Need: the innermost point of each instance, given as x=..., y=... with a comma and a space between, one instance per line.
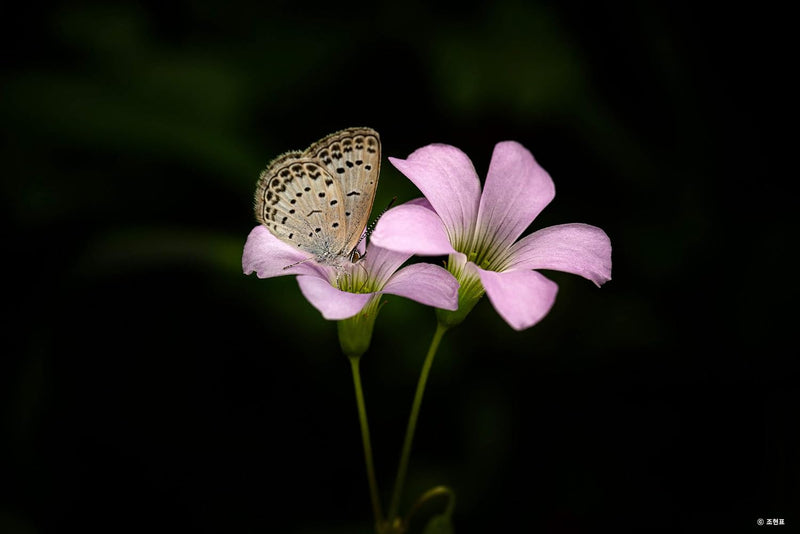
x=412, y=421
x=432, y=493
x=377, y=509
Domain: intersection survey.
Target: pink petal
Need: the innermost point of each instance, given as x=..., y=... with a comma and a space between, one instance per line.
x=421, y=201
x=425, y=283
x=414, y=229
x=381, y=263
x=522, y=298
x=517, y=189
x=446, y=177
x=334, y=304
x=266, y=255
x=575, y=248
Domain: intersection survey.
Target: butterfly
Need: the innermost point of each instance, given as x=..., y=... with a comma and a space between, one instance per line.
x=320, y=200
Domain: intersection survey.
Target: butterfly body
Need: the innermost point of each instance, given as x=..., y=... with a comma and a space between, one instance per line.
x=320, y=200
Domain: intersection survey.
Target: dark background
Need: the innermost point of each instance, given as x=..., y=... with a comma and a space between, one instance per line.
x=148, y=385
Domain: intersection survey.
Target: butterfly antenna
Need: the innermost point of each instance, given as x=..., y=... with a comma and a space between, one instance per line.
x=371, y=226
x=297, y=263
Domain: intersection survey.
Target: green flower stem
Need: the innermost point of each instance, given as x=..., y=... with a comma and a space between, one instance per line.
x=412, y=421
x=377, y=509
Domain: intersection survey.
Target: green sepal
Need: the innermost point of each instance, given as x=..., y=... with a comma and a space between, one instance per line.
x=439, y=522
x=470, y=291
x=355, y=333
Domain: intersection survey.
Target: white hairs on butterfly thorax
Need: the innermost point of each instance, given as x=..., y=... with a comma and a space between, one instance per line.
x=328, y=257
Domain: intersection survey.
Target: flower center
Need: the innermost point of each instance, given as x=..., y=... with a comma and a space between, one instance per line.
x=479, y=259
x=486, y=255
x=482, y=248
x=353, y=279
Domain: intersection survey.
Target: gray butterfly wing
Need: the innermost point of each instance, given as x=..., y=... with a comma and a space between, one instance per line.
x=302, y=204
x=353, y=158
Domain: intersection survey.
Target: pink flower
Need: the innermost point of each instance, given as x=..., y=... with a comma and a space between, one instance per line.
x=480, y=230
x=341, y=295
